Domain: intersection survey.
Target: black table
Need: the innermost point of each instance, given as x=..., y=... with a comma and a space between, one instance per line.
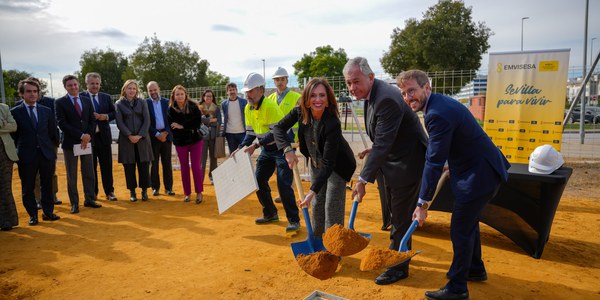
x=524, y=208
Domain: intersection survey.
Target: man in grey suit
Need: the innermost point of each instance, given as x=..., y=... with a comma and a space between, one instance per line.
x=398, y=151
x=75, y=117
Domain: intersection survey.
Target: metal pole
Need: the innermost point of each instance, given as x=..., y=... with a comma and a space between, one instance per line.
x=51, y=88
x=592, y=49
x=522, y=20
x=583, y=100
x=2, y=81
x=264, y=74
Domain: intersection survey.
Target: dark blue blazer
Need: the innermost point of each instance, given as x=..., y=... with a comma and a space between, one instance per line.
x=28, y=138
x=47, y=102
x=225, y=105
x=72, y=126
x=164, y=104
x=106, y=106
x=476, y=164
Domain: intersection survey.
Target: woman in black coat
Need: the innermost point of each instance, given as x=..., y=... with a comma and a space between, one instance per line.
x=321, y=140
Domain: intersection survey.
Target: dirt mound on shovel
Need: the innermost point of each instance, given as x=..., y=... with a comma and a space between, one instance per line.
x=379, y=257
x=321, y=265
x=342, y=241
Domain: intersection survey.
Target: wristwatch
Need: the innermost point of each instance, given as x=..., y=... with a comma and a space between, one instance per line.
x=424, y=205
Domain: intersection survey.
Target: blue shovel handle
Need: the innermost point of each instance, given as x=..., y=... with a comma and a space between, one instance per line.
x=308, y=228
x=352, y=214
x=407, y=235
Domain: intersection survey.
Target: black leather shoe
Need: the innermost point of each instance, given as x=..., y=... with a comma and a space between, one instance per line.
x=50, y=217
x=155, y=192
x=56, y=201
x=75, y=208
x=445, y=294
x=475, y=277
x=169, y=192
x=132, y=196
x=144, y=195
x=111, y=196
x=92, y=204
x=39, y=205
x=6, y=228
x=390, y=276
x=33, y=221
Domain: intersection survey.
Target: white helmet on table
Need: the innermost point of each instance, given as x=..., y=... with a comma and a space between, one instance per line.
x=545, y=160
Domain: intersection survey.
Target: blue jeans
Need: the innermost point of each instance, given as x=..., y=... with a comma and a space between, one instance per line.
x=265, y=166
x=234, y=140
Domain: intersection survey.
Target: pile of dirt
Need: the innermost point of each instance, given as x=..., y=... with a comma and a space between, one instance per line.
x=342, y=241
x=379, y=257
x=321, y=265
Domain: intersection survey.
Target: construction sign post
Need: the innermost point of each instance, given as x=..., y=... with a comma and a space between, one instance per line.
x=525, y=101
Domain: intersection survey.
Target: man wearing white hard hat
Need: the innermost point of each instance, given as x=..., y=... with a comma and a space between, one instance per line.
x=285, y=98
x=261, y=115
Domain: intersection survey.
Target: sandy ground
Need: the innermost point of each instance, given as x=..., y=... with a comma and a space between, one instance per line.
x=168, y=249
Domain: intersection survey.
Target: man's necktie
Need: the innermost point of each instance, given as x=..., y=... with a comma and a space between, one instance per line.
x=77, y=106
x=32, y=116
x=96, y=104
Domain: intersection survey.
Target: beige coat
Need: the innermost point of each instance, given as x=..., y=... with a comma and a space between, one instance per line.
x=8, y=125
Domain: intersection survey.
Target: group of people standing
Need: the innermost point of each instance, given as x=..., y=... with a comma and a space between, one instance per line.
x=405, y=160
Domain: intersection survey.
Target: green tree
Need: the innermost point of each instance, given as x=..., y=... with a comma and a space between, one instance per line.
x=168, y=64
x=110, y=64
x=11, y=84
x=324, y=61
x=216, y=79
x=445, y=40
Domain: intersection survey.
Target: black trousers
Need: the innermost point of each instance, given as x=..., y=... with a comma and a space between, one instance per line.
x=162, y=151
x=143, y=173
x=27, y=172
x=102, y=153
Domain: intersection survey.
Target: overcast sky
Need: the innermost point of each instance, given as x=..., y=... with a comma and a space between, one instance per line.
x=49, y=36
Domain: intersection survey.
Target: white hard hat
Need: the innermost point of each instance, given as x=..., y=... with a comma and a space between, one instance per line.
x=281, y=72
x=253, y=80
x=545, y=160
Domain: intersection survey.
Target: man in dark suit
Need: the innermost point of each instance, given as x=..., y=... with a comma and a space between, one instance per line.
x=398, y=151
x=35, y=140
x=162, y=140
x=477, y=169
x=49, y=103
x=75, y=117
x=104, y=112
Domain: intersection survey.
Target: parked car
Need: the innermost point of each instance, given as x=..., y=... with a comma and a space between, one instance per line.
x=114, y=130
x=592, y=115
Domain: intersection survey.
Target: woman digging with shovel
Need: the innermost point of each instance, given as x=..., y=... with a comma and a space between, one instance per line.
x=320, y=138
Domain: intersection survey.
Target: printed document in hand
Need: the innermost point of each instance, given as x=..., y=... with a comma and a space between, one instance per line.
x=77, y=151
x=234, y=180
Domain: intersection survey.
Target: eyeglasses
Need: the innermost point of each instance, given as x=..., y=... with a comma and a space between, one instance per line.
x=409, y=93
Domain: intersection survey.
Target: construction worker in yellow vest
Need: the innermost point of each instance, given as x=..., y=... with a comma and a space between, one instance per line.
x=285, y=98
x=261, y=115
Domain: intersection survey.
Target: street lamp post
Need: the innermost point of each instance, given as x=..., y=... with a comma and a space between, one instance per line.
x=522, y=20
x=264, y=74
x=592, y=50
x=51, y=89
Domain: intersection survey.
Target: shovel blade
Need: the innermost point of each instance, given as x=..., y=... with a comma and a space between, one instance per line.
x=308, y=247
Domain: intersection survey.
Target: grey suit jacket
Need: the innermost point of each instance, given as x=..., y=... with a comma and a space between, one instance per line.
x=399, y=140
x=8, y=125
x=133, y=119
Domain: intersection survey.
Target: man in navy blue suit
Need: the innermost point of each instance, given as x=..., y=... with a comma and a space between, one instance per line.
x=477, y=168
x=75, y=117
x=49, y=103
x=35, y=140
x=162, y=140
x=104, y=112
